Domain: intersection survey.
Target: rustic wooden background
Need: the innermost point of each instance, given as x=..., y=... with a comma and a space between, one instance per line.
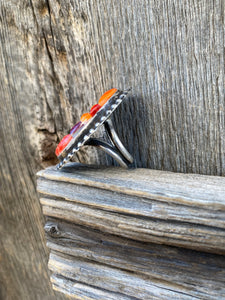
x=57, y=58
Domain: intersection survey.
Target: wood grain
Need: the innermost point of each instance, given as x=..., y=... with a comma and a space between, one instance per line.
x=145, y=205
x=104, y=226
x=23, y=254
x=57, y=58
x=170, y=53
x=83, y=259
x=77, y=290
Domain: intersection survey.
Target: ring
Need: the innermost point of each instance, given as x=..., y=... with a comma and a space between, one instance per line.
x=81, y=133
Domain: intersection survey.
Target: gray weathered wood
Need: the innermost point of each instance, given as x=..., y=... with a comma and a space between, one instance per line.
x=83, y=259
x=103, y=223
x=146, y=205
x=57, y=58
x=78, y=290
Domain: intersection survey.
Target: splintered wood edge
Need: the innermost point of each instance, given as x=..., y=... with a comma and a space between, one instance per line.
x=155, y=261
x=81, y=291
x=86, y=262
x=186, y=189
x=114, y=280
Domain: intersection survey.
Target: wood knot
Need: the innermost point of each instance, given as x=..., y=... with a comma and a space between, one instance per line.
x=52, y=229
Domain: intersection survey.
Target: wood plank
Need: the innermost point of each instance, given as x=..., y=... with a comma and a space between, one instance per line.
x=188, y=189
x=87, y=263
x=114, y=280
x=104, y=261
x=186, y=269
x=81, y=291
x=150, y=206
x=133, y=205
x=170, y=52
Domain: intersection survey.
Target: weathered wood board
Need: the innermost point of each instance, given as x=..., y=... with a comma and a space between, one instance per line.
x=147, y=205
x=104, y=227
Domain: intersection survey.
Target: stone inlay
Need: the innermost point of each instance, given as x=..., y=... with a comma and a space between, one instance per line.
x=83, y=120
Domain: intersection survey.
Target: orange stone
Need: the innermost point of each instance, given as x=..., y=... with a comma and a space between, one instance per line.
x=106, y=96
x=63, y=143
x=94, y=109
x=85, y=117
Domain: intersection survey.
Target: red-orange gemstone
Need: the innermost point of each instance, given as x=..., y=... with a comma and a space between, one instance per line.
x=106, y=96
x=85, y=117
x=94, y=109
x=63, y=143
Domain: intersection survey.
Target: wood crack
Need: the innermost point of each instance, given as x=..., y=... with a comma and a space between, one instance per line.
x=50, y=24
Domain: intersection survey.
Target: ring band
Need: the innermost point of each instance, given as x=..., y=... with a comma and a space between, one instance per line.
x=116, y=149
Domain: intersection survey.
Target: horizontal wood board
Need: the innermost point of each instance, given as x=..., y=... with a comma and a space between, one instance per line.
x=83, y=259
x=147, y=205
x=134, y=234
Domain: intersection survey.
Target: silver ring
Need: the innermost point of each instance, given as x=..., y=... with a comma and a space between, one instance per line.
x=81, y=134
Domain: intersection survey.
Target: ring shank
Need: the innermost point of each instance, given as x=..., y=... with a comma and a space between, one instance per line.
x=116, y=141
x=116, y=149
